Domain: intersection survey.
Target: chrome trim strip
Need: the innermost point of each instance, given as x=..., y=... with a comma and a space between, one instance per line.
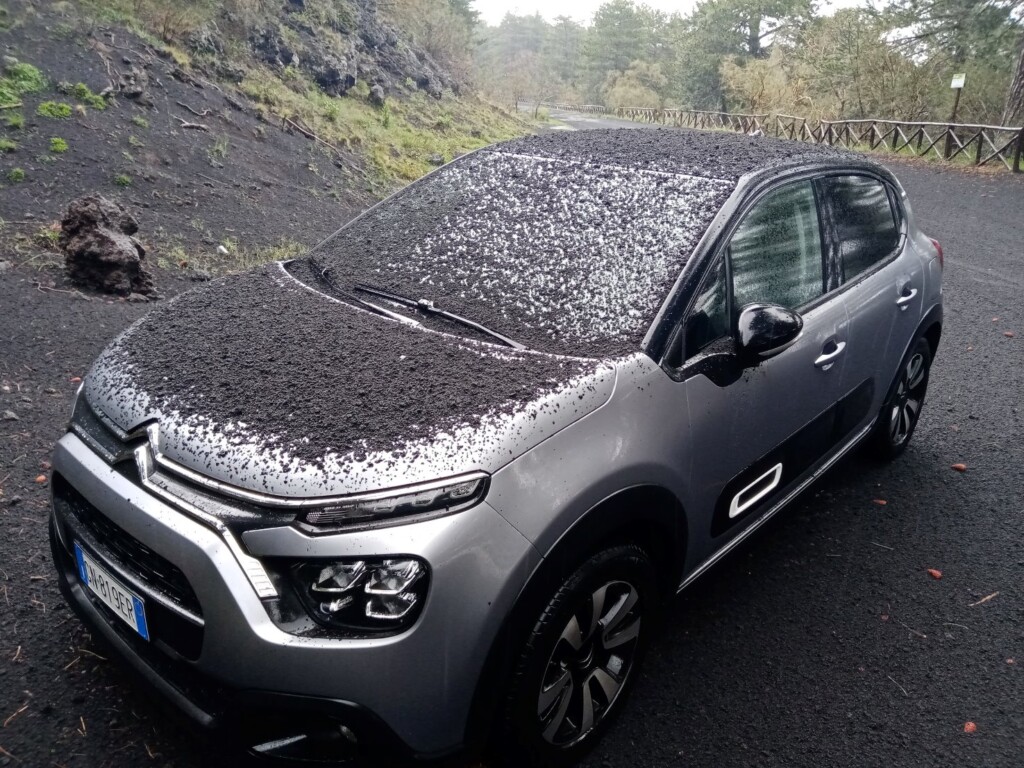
x=703, y=567
x=252, y=567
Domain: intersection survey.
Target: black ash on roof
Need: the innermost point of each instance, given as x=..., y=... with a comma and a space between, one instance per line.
x=713, y=154
x=564, y=255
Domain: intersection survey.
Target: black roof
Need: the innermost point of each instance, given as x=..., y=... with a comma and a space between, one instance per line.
x=712, y=154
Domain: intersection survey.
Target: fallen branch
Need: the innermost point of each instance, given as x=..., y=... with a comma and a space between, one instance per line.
x=310, y=135
x=204, y=113
x=898, y=686
x=185, y=124
x=15, y=105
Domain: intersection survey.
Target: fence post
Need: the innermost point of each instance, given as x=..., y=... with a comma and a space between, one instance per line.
x=1018, y=150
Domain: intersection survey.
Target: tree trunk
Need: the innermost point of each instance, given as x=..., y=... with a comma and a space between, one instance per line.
x=1014, y=108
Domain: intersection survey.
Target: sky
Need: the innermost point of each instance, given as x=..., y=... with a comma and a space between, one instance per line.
x=492, y=11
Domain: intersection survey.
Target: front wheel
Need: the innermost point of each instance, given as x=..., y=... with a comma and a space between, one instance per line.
x=580, y=659
x=902, y=410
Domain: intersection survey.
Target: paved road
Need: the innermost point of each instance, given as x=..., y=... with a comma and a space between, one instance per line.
x=823, y=642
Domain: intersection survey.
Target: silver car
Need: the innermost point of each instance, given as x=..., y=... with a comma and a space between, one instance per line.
x=424, y=489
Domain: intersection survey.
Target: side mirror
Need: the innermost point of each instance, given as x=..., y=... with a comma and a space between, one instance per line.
x=764, y=330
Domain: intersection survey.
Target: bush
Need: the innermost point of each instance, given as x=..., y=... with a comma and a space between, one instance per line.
x=16, y=175
x=20, y=78
x=82, y=93
x=55, y=109
x=6, y=145
x=140, y=121
x=58, y=146
x=123, y=180
x=15, y=120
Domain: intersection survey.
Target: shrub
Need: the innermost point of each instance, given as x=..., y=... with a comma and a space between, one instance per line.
x=20, y=78
x=58, y=146
x=55, y=109
x=16, y=175
x=15, y=120
x=82, y=93
x=6, y=145
x=140, y=121
x=123, y=180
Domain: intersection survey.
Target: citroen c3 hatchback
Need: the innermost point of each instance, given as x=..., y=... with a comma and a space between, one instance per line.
x=425, y=487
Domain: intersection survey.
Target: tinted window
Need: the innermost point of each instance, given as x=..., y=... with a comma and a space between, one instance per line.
x=865, y=224
x=776, y=251
x=709, y=318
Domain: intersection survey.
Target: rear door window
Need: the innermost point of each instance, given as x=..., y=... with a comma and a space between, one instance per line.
x=776, y=250
x=865, y=224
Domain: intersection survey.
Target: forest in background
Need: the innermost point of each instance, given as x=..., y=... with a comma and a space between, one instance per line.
x=779, y=56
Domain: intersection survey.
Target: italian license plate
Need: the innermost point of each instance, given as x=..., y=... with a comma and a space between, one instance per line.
x=128, y=607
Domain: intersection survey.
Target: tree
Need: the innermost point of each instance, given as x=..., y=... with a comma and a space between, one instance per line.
x=639, y=86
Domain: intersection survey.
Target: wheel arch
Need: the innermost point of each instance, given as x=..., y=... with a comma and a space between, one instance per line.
x=650, y=516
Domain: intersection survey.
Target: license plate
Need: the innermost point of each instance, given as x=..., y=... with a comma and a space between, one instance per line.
x=128, y=607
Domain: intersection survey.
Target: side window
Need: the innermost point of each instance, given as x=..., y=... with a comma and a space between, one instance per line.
x=709, y=317
x=776, y=251
x=865, y=224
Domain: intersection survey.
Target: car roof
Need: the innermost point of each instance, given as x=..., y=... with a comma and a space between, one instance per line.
x=711, y=154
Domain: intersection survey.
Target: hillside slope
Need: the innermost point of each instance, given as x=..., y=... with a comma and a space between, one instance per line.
x=258, y=131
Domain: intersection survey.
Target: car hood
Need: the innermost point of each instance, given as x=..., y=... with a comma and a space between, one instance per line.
x=264, y=383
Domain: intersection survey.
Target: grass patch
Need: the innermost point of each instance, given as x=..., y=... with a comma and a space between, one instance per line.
x=399, y=139
x=140, y=121
x=134, y=142
x=82, y=93
x=123, y=180
x=58, y=146
x=16, y=175
x=238, y=259
x=55, y=109
x=7, y=145
x=219, y=150
x=15, y=121
x=20, y=78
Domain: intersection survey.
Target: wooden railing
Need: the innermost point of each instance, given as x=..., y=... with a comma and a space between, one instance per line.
x=976, y=144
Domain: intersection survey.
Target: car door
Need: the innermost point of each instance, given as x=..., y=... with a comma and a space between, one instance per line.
x=757, y=430
x=881, y=285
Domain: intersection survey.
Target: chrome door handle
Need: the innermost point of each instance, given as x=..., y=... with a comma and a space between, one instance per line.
x=904, y=301
x=826, y=359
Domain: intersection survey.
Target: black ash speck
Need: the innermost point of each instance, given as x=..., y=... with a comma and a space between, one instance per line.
x=260, y=358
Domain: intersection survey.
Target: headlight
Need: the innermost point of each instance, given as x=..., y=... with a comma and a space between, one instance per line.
x=379, y=594
x=426, y=500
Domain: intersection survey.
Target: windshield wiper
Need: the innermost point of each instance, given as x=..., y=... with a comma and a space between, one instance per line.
x=428, y=306
x=369, y=305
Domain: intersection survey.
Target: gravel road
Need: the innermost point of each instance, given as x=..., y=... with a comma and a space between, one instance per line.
x=824, y=641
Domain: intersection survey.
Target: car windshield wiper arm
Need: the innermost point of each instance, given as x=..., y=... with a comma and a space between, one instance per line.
x=369, y=305
x=428, y=306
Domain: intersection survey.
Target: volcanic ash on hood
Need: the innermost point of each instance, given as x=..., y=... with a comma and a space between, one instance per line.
x=261, y=361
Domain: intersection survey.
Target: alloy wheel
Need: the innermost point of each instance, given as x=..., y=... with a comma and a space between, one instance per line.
x=907, y=401
x=589, y=664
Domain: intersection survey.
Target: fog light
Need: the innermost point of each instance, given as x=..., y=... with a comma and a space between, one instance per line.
x=393, y=576
x=339, y=577
x=336, y=605
x=390, y=607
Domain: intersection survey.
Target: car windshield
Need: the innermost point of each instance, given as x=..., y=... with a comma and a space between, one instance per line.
x=565, y=256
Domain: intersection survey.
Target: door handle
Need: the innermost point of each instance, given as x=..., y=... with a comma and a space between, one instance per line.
x=826, y=359
x=904, y=301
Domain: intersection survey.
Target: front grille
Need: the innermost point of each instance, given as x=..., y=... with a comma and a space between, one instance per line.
x=178, y=629
x=153, y=570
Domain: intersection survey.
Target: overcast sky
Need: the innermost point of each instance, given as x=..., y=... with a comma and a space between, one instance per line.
x=492, y=11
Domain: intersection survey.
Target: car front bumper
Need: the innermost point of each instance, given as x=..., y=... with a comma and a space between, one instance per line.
x=414, y=690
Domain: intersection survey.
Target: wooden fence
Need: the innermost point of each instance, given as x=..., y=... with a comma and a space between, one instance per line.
x=975, y=144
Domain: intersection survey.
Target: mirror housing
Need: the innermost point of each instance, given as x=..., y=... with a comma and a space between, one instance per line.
x=764, y=330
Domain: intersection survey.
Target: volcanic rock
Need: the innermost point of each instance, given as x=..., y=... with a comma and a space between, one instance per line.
x=99, y=250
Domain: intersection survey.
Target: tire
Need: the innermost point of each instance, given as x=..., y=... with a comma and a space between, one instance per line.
x=902, y=409
x=572, y=657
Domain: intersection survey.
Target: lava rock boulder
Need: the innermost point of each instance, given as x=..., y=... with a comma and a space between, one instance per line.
x=100, y=251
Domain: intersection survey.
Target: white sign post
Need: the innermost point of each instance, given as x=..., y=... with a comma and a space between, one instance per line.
x=958, y=81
